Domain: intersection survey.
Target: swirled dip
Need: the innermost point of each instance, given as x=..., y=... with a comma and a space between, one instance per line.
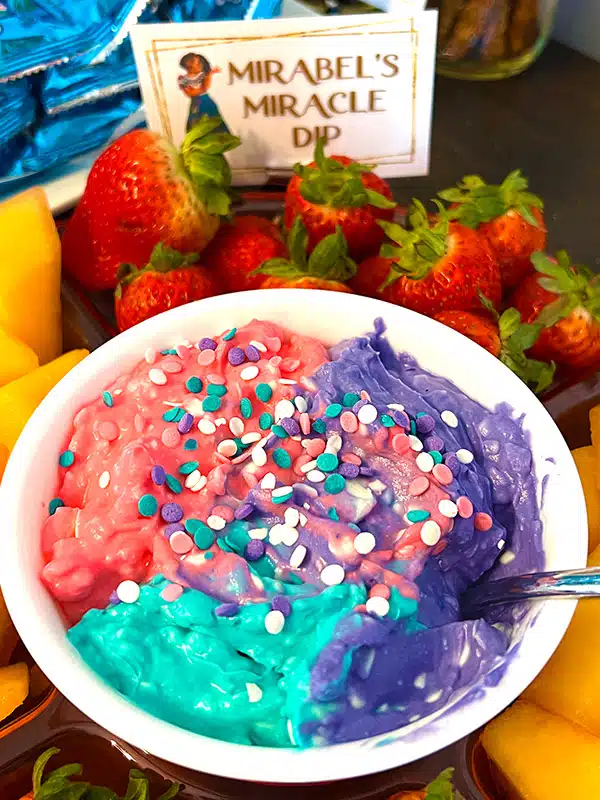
x=263, y=540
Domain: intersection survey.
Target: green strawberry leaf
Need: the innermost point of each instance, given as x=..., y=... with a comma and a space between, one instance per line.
x=319, y=155
x=516, y=338
x=576, y=286
x=418, y=250
x=312, y=192
x=297, y=242
x=509, y=323
x=378, y=200
x=138, y=787
x=330, y=260
x=164, y=258
x=280, y=268
x=441, y=788
x=171, y=792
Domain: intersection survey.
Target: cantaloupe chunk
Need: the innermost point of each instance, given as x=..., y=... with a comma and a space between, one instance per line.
x=543, y=756
x=30, y=273
x=595, y=432
x=19, y=399
x=586, y=460
x=14, y=688
x=4, y=454
x=16, y=358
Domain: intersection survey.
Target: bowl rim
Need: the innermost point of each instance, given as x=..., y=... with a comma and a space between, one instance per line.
x=87, y=691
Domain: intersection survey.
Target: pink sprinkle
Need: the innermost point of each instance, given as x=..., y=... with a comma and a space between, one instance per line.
x=218, y=380
x=289, y=364
x=314, y=447
x=108, y=430
x=380, y=590
x=206, y=357
x=181, y=543
x=181, y=350
x=139, y=423
x=251, y=479
x=443, y=474
x=169, y=365
x=223, y=511
x=275, y=361
x=300, y=462
x=273, y=343
x=222, y=459
x=352, y=458
x=482, y=521
x=305, y=423
x=401, y=444
x=227, y=448
x=465, y=507
x=349, y=422
x=242, y=457
x=419, y=485
x=170, y=437
x=364, y=395
x=172, y=592
x=360, y=608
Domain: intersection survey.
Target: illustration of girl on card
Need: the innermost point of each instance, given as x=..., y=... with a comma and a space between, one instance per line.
x=195, y=84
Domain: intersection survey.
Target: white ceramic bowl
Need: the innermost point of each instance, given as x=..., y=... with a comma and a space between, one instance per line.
x=30, y=482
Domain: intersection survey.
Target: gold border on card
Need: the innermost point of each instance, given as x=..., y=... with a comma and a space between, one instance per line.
x=152, y=60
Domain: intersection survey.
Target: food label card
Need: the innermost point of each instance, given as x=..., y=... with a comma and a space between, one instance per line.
x=364, y=84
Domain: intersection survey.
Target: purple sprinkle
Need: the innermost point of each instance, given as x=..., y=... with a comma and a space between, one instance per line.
x=357, y=406
x=452, y=462
x=158, y=475
x=281, y=603
x=244, y=511
x=434, y=443
x=114, y=598
x=227, y=610
x=349, y=470
x=252, y=353
x=400, y=418
x=236, y=356
x=171, y=512
x=379, y=325
x=207, y=344
x=185, y=423
x=290, y=426
x=366, y=471
x=255, y=549
x=173, y=528
x=425, y=424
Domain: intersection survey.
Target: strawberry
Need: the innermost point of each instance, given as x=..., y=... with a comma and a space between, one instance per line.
x=170, y=279
x=476, y=326
x=306, y=283
x=508, y=215
x=566, y=301
x=436, y=265
x=371, y=275
x=338, y=192
x=239, y=248
x=142, y=191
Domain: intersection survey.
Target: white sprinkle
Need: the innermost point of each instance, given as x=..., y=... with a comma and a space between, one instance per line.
x=307, y=505
x=254, y=692
x=290, y=730
x=206, y=426
x=507, y=556
x=364, y=542
x=289, y=536
x=157, y=376
x=150, y=355
x=433, y=697
x=425, y=462
x=128, y=591
x=415, y=443
x=281, y=491
x=396, y=406
x=274, y=622
x=431, y=532
x=464, y=656
x=500, y=544
x=450, y=418
x=249, y=373
x=419, y=681
x=308, y=467
x=334, y=443
x=227, y=448
x=259, y=456
x=303, y=519
x=221, y=421
x=287, y=381
x=377, y=486
x=367, y=414
x=464, y=456
x=300, y=404
x=259, y=346
x=269, y=481
x=250, y=438
x=447, y=508
x=215, y=522
x=357, y=489
x=315, y=476
x=292, y=517
x=236, y=426
x=258, y=533
x=298, y=556
x=332, y=574
x=284, y=409
x=378, y=606
x=414, y=718
x=276, y=534
x=193, y=406
x=197, y=487
x=192, y=479
x=104, y=479
x=355, y=700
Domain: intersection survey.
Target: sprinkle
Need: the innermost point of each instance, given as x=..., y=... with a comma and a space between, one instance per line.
x=332, y=574
x=350, y=399
x=55, y=503
x=108, y=399
x=147, y=505
x=279, y=431
x=173, y=484
x=464, y=456
x=203, y=535
x=333, y=410
x=258, y=533
x=450, y=418
x=315, y=476
x=367, y=414
x=425, y=462
x=281, y=603
x=298, y=556
x=269, y=481
x=216, y=389
x=418, y=486
x=185, y=423
x=380, y=590
x=192, y=479
x=319, y=426
x=282, y=494
x=180, y=543
x=227, y=448
x=173, y=414
x=252, y=353
x=284, y=409
x=265, y=421
x=171, y=366
x=424, y=423
x=387, y=421
x=251, y=437
x=206, y=358
x=308, y=466
x=227, y=610
x=263, y=392
x=128, y=591
x=327, y=462
x=413, y=427
x=171, y=592
x=465, y=507
x=274, y=622
x=242, y=511
x=211, y=403
x=482, y=521
x=415, y=443
x=349, y=471
x=207, y=344
x=108, y=430
x=378, y=606
x=401, y=419
x=236, y=356
x=452, y=462
x=236, y=426
x=401, y=443
x=348, y=422
x=150, y=355
x=334, y=484
x=188, y=467
x=334, y=443
x=282, y=458
x=171, y=512
x=436, y=455
x=254, y=693
x=215, y=522
x=431, y=533
x=417, y=515
x=66, y=458
x=259, y=456
x=227, y=337
x=157, y=376
x=290, y=426
x=259, y=346
x=249, y=373
x=289, y=535
x=255, y=549
x=245, y=408
x=104, y=479
x=191, y=444
x=364, y=542
x=199, y=485
x=301, y=404
x=207, y=426
x=443, y=474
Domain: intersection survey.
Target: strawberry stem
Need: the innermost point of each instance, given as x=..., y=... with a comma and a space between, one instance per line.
x=576, y=286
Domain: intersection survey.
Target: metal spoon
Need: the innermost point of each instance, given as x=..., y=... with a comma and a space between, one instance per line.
x=573, y=583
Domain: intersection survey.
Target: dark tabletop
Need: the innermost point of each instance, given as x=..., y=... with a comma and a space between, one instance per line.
x=545, y=122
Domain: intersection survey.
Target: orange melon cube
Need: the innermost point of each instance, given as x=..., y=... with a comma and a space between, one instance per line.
x=14, y=688
x=586, y=460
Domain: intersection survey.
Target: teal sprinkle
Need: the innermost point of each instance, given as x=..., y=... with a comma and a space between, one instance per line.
x=227, y=337
x=147, y=505
x=284, y=497
x=67, y=458
x=208, y=556
x=170, y=352
x=327, y=462
x=191, y=444
x=264, y=392
x=333, y=514
x=55, y=503
x=420, y=414
x=204, y=537
x=194, y=384
x=188, y=467
x=224, y=546
x=417, y=515
x=265, y=421
x=279, y=431
x=354, y=527
x=108, y=399
x=282, y=458
x=387, y=421
x=240, y=447
x=333, y=410
x=216, y=389
x=211, y=403
x=174, y=485
x=173, y=414
x=436, y=455
x=319, y=426
x=245, y=408
x=192, y=525
x=351, y=399
x=334, y=484
x=413, y=427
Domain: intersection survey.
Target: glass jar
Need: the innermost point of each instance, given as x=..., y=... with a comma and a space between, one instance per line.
x=491, y=39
